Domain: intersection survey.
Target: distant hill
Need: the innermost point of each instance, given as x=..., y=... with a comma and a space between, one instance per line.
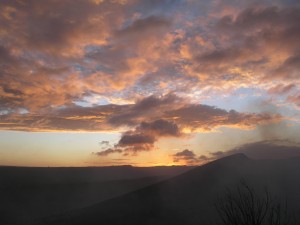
x=188, y=199
x=10, y=175
x=29, y=193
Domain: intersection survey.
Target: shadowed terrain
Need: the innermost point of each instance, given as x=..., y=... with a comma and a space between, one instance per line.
x=30, y=193
x=189, y=198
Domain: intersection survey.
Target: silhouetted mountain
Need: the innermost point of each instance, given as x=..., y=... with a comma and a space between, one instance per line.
x=30, y=193
x=189, y=198
x=12, y=176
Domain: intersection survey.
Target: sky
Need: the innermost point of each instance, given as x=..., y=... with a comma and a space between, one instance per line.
x=145, y=83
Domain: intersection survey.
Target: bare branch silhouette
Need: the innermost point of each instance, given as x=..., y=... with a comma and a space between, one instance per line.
x=244, y=206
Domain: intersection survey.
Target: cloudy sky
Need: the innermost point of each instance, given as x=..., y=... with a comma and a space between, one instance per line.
x=154, y=82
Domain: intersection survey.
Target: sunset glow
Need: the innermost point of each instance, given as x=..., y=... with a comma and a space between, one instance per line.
x=145, y=83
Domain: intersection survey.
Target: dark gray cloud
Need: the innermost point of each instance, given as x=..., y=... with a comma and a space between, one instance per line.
x=159, y=116
x=130, y=139
x=290, y=69
x=160, y=128
x=255, y=17
x=108, y=152
x=144, y=26
x=185, y=155
x=104, y=143
x=189, y=158
x=151, y=107
x=219, y=56
x=216, y=154
x=273, y=149
x=207, y=117
x=144, y=136
x=203, y=157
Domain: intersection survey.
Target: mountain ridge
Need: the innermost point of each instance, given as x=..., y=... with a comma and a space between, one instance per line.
x=189, y=197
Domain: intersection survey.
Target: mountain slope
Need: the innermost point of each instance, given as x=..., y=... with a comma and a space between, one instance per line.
x=31, y=193
x=189, y=198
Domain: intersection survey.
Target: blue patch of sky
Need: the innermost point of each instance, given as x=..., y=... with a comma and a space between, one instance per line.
x=240, y=100
x=92, y=48
x=4, y=112
x=252, y=100
x=78, y=67
x=82, y=103
x=158, y=7
x=92, y=100
x=23, y=111
x=87, y=71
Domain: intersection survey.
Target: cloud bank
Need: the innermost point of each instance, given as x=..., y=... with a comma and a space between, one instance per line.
x=144, y=68
x=55, y=54
x=262, y=150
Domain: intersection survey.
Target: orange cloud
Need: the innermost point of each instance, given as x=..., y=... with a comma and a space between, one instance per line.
x=162, y=116
x=54, y=56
